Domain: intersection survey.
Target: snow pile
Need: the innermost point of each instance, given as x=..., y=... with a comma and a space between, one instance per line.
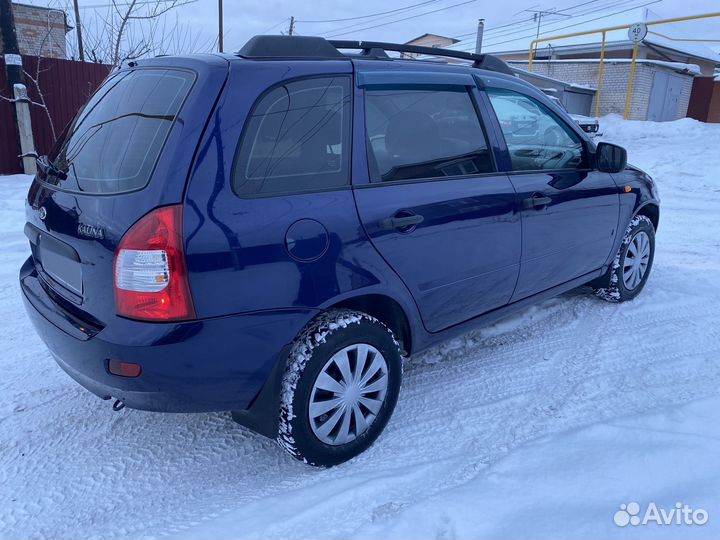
x=541, y=425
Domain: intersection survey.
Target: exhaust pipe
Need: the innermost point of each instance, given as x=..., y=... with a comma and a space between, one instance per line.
x=119, y=405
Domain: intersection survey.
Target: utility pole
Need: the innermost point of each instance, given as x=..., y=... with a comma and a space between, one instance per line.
x=221, y=45
x=538, y=15
x=13, y=61
x=292, y=26
x=478, y=39
x=78, y=29
x=9, y=46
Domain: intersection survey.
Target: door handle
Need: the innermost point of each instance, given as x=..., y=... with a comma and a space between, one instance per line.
x=401, y=222
x=538, y=200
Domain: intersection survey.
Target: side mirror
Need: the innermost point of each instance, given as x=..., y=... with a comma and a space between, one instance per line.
x=610, y=158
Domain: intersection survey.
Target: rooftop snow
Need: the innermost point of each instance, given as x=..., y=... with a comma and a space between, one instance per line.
x=692, y=69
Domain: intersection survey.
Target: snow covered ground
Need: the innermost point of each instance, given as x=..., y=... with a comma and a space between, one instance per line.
x=541, y=425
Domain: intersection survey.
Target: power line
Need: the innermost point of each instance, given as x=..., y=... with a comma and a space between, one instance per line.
x=403, y=19
x=571, y=25
x=550, y=31
x=550, y=27
x=531, y=23
x=611, y=4
x=276, y=25
x=538, y=15
x=372, y=14
x=376, y=19
x=121, y=4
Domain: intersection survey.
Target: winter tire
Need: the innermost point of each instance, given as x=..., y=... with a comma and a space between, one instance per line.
x=632, y=264
x=339, y=389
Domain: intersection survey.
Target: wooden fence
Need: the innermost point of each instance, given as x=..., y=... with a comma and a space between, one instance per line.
x=66, y=86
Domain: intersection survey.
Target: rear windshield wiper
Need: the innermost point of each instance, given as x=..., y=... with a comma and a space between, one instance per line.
x=49, y=169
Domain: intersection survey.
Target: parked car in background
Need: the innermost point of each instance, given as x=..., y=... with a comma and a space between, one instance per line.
x=588, y=124
x=273, y=232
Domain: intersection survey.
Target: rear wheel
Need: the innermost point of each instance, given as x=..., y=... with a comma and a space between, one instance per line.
x=340, y=387
x=632, y=264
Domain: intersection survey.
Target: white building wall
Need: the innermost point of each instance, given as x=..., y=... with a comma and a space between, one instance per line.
x=614, y=83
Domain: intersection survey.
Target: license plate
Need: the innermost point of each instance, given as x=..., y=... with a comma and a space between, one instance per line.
x=61, y=262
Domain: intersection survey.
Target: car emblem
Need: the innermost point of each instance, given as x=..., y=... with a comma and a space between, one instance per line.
x=89, y=230
x=42, y=213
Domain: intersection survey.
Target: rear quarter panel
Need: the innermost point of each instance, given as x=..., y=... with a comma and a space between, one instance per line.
x=236, y=248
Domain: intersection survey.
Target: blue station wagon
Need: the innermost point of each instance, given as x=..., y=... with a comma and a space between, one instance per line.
x=273, y=232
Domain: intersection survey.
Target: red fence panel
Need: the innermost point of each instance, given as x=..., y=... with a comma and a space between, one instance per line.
x=66, y=86
x=700, y=96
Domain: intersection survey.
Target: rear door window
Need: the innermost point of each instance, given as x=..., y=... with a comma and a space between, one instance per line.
x=115, y=141
x=416, y=133
x=297, y=139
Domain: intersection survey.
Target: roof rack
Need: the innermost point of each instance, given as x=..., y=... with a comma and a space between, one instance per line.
x=313, y=47
x=378, y=49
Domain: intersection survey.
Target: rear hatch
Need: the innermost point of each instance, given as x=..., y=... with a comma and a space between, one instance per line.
x=127, y=152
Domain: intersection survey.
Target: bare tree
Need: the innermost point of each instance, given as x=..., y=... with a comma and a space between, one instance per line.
x=131, y=29
x=128, y=30
x=34, y=78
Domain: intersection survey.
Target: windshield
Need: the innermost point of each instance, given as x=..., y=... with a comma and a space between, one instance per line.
x=114, y=142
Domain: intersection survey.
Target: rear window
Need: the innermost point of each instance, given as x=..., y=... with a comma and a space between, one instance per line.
x=297, y=139
x=416, y=133
x=115, y=141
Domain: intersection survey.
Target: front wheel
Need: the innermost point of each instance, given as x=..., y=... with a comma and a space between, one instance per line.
x=339, y=389
x=632, y=264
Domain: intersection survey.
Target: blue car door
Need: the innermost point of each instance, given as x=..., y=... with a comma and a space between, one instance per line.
x=432, y=202
x=569, y=211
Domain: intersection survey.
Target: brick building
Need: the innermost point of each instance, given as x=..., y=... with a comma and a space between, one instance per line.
x=40, y=30
x=672, y=76
x=661, y=90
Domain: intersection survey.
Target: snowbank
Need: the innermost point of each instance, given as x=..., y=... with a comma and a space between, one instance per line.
x=540, y=425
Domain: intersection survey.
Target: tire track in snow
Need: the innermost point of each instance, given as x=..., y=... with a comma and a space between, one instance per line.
x=70, y=467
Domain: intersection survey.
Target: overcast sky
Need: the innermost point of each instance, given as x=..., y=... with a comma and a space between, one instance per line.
x=506, y=20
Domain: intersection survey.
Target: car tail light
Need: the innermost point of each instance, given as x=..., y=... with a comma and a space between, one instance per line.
x=150, y=275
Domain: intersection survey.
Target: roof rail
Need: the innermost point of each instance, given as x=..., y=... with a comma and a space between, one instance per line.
x=300, y=47
x=309, y=47
x=378, y=49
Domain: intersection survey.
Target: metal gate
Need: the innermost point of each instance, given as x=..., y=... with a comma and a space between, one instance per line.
x=664, y=97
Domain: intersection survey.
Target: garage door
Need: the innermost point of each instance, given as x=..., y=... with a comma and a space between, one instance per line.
x=664, y=97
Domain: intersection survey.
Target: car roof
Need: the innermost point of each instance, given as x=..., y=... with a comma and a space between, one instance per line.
x=427, y=66
x=372, y=56
x=318, y=48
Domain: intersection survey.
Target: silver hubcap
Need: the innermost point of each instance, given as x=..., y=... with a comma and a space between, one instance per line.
x=347, y=394
x=636, y=262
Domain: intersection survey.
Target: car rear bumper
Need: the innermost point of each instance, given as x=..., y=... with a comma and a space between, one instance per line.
x=207, y=365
